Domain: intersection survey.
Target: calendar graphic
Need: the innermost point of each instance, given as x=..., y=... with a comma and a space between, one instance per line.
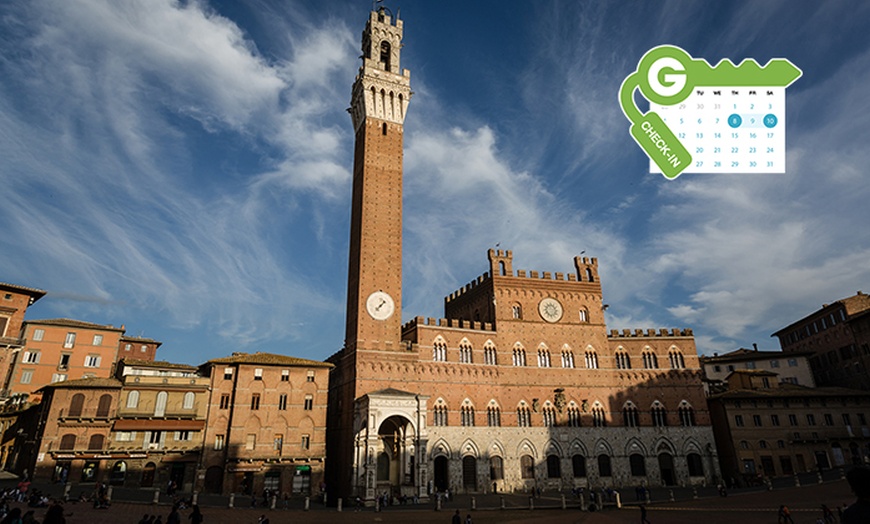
x=705, y=119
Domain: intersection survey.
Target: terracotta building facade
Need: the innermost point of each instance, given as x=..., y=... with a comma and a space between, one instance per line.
x=14, y=301
x=266, y=425
x=521, y=385
x=239, y=424
x=142, y=428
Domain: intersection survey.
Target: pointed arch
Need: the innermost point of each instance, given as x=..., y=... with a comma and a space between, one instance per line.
x=441, y=448
x=599, y=415
x=519, y=354
x=466, y=351
x=496, y=448
x=439, y=349
x=439, y=412
x=552, y=448
x=526, y=447
x=567, y=356
x=664, y=445
x=591, y=357
x=493, y=413
x=577, y=447
x=490, y=355
x=602, y=446
x=469, y=447
x=635, y=445
x=623, y=359
x=543, y=356
x=466, y=411
x=675, y=358
x=691, y=445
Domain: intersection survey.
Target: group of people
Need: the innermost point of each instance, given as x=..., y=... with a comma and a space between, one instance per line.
x=54, y=515
x=268, y=495
x=174, y=517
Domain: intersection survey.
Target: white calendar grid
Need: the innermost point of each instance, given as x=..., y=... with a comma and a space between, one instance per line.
x=730, y=129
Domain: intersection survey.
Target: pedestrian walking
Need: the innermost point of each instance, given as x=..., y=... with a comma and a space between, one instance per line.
x=827, y=515
x=457, y=518
x=643, y=519
x=174, y=517
x=195, y=516
x=784, y=515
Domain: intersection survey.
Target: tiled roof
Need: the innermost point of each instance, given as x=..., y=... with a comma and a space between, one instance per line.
x=391, y=392
x=792, y=391
x=32, y=291
x=756, y=372
x=68, y=322
x=140, y=339
x=742, y=354
x=85, y=383
x=268, y=359
x=134, y=362
x=855, y=304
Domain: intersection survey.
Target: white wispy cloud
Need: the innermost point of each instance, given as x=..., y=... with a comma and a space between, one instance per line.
x=103, y=189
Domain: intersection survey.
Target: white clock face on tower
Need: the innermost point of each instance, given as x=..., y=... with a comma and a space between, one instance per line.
x=550, y=309
x=380, y=305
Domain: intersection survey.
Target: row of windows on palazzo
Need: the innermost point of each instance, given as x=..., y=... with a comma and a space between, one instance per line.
x=623, y=360
x=77, y=403
x=632, y=417
x=636, y=462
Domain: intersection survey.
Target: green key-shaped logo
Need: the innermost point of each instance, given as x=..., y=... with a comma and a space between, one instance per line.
x=666, y=75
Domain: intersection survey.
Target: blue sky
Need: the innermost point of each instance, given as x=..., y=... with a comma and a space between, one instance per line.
x=183, y=168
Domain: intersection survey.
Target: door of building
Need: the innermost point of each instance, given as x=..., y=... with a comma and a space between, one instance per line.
x=442, y=480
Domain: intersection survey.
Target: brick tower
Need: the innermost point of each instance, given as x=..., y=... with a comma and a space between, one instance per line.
x=379, y=102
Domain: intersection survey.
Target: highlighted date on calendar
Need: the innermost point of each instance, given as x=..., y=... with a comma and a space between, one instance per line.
x=705, y=119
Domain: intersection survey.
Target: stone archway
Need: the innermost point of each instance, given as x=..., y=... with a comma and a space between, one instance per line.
x=395, y=457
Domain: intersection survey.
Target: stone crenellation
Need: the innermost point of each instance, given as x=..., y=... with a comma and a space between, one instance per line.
x=650, y=333
x=467, y=287
x=447, y=322
x=500, y=263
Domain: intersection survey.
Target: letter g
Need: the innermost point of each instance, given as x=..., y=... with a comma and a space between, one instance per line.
x=674, y=82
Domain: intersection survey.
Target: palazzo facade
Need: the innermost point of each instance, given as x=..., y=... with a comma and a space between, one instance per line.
x=520, y=385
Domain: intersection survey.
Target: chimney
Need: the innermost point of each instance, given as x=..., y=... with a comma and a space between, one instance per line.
x=755, y=346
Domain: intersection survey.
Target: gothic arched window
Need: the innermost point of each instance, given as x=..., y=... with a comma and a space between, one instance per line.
x=385, y=55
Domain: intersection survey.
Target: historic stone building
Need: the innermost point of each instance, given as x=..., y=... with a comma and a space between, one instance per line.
x=13, y=307
x=242, y=424
x=520, y=385
x=266, y=424
x=838, y=336
x=792, y=367
x=141, y=428
x=766, y=427
x=61, y=349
